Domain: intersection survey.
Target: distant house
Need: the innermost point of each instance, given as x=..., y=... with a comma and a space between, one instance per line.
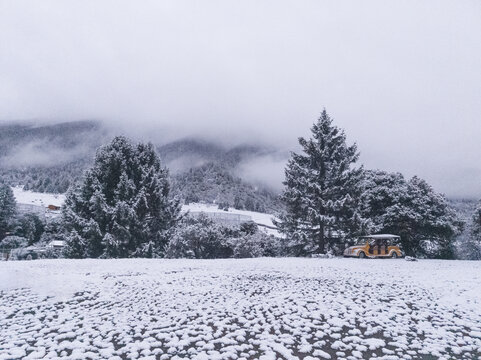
x=56, y=245
x=224, y=218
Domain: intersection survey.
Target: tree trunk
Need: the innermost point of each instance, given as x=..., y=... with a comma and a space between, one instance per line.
x=321, y=240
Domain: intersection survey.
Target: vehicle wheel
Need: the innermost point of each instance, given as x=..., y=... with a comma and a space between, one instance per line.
x=362, y=255
x=28, y=257
x=394, y=255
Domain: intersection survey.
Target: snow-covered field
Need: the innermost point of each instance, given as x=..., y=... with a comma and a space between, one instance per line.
x=240, y=309
x=36, y=198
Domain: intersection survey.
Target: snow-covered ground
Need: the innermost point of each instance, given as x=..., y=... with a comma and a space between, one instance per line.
x=240, y=309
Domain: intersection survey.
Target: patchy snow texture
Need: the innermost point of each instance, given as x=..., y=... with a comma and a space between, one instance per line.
x=240, y=309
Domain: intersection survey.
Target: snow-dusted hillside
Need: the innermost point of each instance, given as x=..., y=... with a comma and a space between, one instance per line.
x=263, y=308
x=36, y=198
x=259, y=218
x=45, y=199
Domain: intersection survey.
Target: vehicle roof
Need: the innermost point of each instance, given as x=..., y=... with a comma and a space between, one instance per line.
x=381, y=236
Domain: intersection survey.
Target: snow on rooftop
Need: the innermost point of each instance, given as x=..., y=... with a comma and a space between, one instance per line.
x=260, y=218
x=381, y=236
x=257, y=217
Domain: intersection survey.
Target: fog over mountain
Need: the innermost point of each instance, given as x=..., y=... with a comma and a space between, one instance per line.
x=402, y=77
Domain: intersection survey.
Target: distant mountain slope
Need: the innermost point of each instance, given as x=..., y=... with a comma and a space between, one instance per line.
x=48, y=144
x=50, y=157
x=183, y=154
x=213, y=183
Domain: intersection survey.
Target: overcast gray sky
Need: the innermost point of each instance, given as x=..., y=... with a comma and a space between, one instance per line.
x=402, y=77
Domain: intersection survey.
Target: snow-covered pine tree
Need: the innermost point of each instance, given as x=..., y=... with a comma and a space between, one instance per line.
x=29, y=226
x=476, y=222
x=412, y=209
x=472, y=247
x=74, y=246
x=321, y=191
x=238, y=202
x=7, y=209
x=122, y=207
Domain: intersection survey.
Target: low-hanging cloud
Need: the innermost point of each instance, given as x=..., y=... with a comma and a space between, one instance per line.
x=401, y=77
x=267, y=170
x=43, y=153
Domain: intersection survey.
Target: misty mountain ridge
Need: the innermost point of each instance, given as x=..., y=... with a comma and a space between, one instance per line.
x=35, y=145
x=50, y=157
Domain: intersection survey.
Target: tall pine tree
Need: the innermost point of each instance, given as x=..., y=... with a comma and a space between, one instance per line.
x=321, y=192
x=122, y=207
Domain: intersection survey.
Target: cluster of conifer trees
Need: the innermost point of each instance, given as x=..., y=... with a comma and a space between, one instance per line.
x=330, y=201
x=123, y=206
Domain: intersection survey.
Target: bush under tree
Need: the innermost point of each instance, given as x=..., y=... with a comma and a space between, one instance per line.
x=257, y=244
x=199, y=237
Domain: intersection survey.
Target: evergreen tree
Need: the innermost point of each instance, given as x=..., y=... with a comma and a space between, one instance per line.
x=7, y=209
x=249, y=204
x=53, y=230
x=412, y=209
x=29, y=226
x=238, y=203
x=74, y=246
x=476, y=223
x=122, y=207
x=472, y=248
x=321, y=192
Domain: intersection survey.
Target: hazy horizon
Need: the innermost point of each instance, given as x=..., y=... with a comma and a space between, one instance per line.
x=402, y=78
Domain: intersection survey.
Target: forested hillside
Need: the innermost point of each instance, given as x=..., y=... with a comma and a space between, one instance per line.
x=49, y=158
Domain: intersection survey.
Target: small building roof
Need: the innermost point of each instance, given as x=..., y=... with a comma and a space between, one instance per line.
x=381, y=236
x=56, y=243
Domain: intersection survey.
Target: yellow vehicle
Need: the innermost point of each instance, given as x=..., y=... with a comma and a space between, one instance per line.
x=375, y=246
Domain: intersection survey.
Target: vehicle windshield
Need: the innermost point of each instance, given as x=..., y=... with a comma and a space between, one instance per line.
x=361, y=241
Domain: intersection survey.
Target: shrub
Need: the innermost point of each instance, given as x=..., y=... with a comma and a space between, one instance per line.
x=200, y=238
